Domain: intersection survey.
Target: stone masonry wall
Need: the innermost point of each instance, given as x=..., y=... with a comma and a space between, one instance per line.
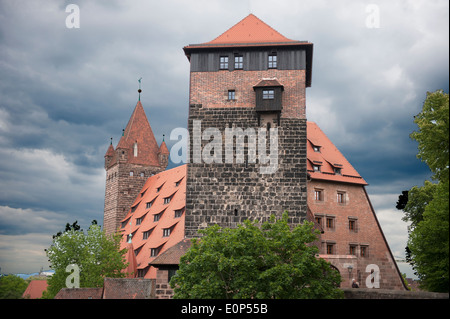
x=227, y=194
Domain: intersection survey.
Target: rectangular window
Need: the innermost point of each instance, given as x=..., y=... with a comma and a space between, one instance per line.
x=318, y=220
x=316, y=168
x=157, y=217
x=341, y=197
x=231, y=95
x=330, y=223
x=166, y=232
x=337, y=171
x=330, y=249
x=272, y=61
x=224, y=63
x=364, y=251
x=268, y=94
x=318, y=194
x=238, y=62
x=149, y=204
x=154, y=252
x=139, y=220
x=352, y=250
x=352, y=225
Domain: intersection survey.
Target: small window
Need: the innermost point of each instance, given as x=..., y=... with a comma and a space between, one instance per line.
x=167, y=200
x=166, y=232
x=330, y=248
x=364, y=251
x=139, y=220
x=159, y=188
x=330, y=223
x=149, y=204
x=224, y=63
x=341, y=197
x=352, y=225
x=231, y=95
x=352, y=250
x=316, y=168
x=178, y=213
x=131, y=173
x=142, y=174
x=154, y=252
x=318, y=194
x=316, y=148
x=157, y=217
x=238, y=62
x=337, y=171
x=318, y=220
x=272, y=61
x=146, y=234
x=268, y=94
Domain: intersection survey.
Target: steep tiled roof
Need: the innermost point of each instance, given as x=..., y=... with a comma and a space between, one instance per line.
x=80, y=293
x=333, y=165
x=172, y=255
x=139, y=132
x=152, y=215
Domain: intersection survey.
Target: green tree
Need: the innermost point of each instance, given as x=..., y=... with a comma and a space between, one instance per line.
x=429, y=243
x=433, y=134
x=271, y=261
x=12, y=287
x=427, y=207
x=96, y=255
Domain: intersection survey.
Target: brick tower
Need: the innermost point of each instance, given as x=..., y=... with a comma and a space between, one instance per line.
x=136, y=157
x=247, y=127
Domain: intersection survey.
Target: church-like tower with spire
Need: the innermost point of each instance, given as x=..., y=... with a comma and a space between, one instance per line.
x=136, y=157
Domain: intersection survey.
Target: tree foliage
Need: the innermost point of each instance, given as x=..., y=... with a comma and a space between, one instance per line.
x=427, y=207
x=433, y=133
x=12, y=287
x=96, y=255
x=271, y=261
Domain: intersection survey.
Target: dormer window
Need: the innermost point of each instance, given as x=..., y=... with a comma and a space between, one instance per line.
x=337, y=171
x=316, y=148
x=316, y=168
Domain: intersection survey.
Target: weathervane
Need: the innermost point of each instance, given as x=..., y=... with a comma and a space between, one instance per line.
x=139, y=91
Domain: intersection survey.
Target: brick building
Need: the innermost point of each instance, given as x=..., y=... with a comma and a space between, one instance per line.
x=250, y=77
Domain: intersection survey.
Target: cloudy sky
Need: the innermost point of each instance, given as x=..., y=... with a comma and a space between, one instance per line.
x=65, y=91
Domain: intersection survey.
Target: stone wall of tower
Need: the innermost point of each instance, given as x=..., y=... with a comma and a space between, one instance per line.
x=227, y=194
x=121, y=190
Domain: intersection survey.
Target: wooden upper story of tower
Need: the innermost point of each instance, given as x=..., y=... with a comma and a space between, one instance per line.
x=251, y=45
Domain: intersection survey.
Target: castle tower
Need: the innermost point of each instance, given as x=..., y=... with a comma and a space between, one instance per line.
x=136, y=157
x=247, y=127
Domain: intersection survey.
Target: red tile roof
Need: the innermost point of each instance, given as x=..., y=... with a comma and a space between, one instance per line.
x=328, y=158
x=172, y=184
x=250, y=31
x=35, y=289
x=162, y=195
x=138, y=131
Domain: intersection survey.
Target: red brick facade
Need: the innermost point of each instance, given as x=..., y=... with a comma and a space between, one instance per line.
x=352, y=235
x=211, y=89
